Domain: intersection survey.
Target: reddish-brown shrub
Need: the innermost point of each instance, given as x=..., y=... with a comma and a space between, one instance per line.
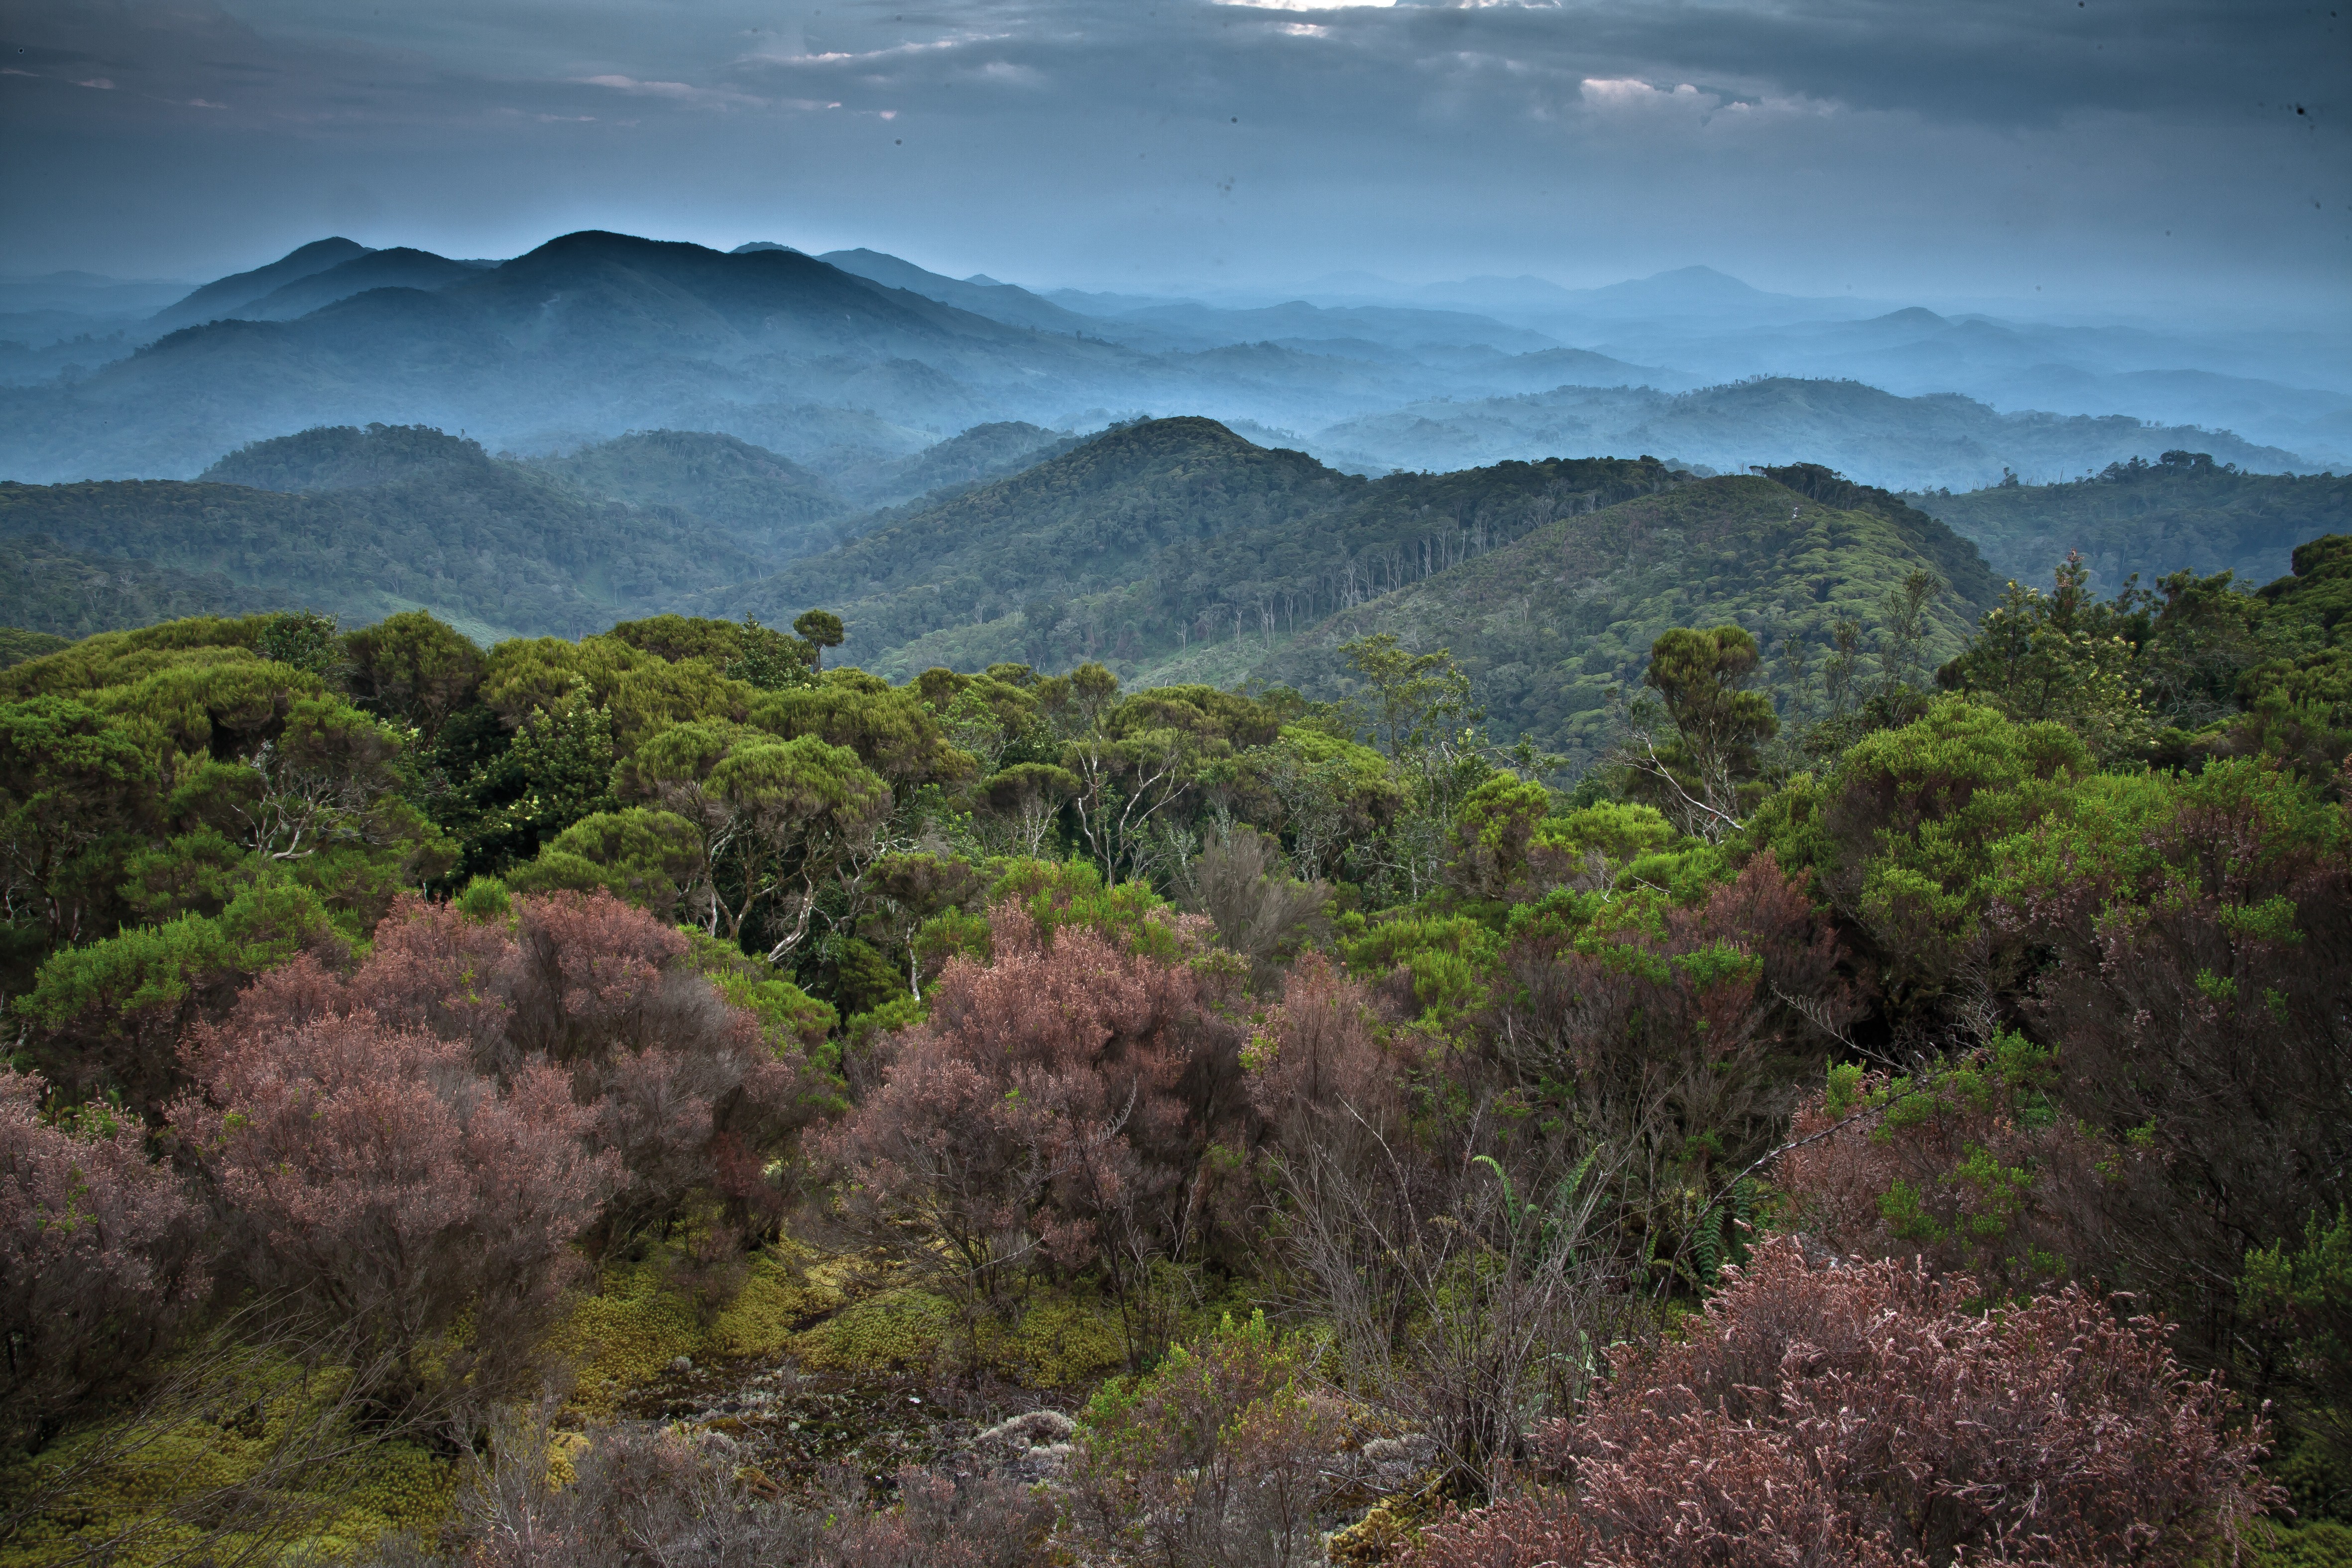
x=96, y=1247
x=1038, y=1115
x=1838, y=1413
x=1317, y=1069
x=369, y=1172
x=605, y=993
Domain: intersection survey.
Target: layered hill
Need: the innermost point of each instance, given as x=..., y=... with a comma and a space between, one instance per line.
x=2183, y=511
x=591, y=332
x=851, y=363
x=1913, y=443
x=432, y=521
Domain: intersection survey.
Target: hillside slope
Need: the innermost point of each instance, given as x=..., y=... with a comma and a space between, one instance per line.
x=490, y=546
x=1158, y=538
x=1090, y=520
x=65, y=593
x=766, y=502
x=2183, y=511
x=1547, y=625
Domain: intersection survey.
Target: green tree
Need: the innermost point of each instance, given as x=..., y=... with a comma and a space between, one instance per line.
x=779, y=822
x=2062, y=655
x=821, y=629
x=1407, y=698
x=1700, y=765
x=72, y=786
x=411, y=669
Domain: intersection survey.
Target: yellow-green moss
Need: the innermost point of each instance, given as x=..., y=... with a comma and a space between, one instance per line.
x=1056, y=1340
x=378, y=1487
x=787, y=1288
x=624, y=1334
x=898, y=1330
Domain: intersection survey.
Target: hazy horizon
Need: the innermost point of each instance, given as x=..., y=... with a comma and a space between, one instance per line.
x=2064, y=159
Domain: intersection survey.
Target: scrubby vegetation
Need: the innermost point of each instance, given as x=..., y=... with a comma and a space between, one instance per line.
x=672, y=1096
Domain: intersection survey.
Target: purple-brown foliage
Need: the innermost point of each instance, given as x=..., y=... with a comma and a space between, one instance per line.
x=367, y=1170
x=1041, y=1113
x=1827, y=1413
x=96, y=1253
x=679, y=1081
x=1674, y=1046
x=412, y=1148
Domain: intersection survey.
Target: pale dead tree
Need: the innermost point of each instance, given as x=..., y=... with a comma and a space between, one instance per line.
x=1123, y=786
x=1238, y=880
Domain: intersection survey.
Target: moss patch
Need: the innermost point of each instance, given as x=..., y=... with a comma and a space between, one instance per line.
x=898, y=1330
x=1056, y=1340
x=169, y=1491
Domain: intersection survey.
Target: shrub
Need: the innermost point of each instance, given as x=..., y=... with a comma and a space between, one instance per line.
x=1822, y=1411
x=383, y=1186
x=1216, y=1457
x=691, y=1067
x=1041, y=1115
x=97, y=1263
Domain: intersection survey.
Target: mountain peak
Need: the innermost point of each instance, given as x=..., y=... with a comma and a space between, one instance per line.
x=1695, y=285
x=225, y=297
x=344, y=458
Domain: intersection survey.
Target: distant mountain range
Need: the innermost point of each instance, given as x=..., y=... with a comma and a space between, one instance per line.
x=848, y=363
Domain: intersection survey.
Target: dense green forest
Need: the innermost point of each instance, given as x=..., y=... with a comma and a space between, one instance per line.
x=1169, y=550
x=673, y=1095
x=365, y=524
x=52, y=592
x=764, y=501
x=1173, y=549
x=2182, y=512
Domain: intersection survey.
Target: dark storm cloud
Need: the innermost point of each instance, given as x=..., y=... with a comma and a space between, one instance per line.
x=1877, y=145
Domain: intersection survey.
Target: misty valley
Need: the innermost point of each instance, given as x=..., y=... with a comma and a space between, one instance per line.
x=667, y=906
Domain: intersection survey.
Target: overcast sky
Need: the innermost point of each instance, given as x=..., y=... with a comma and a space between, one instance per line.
x=2097, y=150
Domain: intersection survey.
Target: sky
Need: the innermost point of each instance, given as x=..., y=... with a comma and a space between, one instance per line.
x=2130, y=154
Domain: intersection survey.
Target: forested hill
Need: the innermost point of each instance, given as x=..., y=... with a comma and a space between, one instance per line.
x=371, y=524
x=1158, y=537
x=344, y=457
x=2184, y=511
x=765, y=501
x=1091, y=520
x=46, y=591
x=1547, y=625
